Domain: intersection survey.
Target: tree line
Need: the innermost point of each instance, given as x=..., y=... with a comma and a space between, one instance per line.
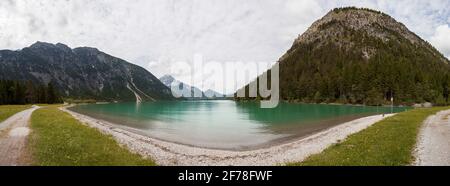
x=370, y=71
x=27, y=92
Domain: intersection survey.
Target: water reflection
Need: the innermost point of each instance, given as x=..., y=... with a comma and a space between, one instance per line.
x=287, y=113
x=224, y=124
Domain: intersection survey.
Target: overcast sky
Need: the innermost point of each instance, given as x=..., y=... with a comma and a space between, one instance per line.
x=152, y=33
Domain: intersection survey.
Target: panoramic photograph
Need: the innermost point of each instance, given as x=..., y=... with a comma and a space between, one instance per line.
x=224, y=90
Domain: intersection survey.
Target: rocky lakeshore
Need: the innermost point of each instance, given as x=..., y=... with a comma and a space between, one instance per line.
x=168, y=153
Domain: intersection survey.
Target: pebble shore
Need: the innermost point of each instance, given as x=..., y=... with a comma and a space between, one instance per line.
x=172, y=154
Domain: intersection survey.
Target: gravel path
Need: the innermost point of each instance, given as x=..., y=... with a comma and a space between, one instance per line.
x=13, y=134
x=433, y=146
x=167, y=153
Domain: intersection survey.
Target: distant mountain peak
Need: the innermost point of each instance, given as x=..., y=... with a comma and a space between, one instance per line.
x=213, y=93
x=188, y=91
x=40, y=44
x=63, y=47
x=91, y=49
x=167, y=79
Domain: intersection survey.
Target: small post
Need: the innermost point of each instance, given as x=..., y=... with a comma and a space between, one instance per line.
x=392, y=103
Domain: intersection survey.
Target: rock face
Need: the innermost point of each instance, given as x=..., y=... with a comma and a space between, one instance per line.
x=82, y=73
x=362, y=56
x=339, y=22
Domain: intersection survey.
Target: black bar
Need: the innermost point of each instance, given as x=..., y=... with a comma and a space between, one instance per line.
x=279, y=175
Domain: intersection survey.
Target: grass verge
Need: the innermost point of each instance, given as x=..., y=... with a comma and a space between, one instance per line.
x=7, y=111
x=389, y=142
x=59, y=139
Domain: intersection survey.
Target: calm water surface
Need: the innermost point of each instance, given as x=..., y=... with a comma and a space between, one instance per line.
x=226, y=124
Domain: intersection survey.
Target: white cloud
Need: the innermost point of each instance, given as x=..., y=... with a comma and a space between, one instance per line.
x=441, y=39
x=143, y=31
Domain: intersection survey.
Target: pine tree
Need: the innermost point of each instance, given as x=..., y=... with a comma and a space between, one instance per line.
x=51, y=94
x=18, y=92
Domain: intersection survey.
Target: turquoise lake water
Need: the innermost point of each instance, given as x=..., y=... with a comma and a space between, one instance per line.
x=227, y=124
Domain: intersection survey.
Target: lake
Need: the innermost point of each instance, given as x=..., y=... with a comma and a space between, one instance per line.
x=226, y=124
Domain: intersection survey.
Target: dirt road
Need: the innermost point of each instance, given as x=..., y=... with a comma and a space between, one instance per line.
x=433, y=147
x=13, y=134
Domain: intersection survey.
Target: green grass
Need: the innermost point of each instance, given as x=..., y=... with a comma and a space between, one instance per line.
x=8, y=110
x=389, y=142
x=58, y=139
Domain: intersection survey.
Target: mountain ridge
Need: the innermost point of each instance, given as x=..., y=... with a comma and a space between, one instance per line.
x=82, y=73
x=188, y=91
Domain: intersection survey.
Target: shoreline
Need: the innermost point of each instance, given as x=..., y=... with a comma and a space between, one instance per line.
x=169, y=153
x=295, y=134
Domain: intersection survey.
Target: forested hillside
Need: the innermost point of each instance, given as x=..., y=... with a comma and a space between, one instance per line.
x=361, y=56
x=17, y=92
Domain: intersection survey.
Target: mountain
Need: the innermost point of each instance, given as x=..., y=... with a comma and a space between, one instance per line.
x=188, y=91
x=361, y=56
x=211, y=93
x=81, y=73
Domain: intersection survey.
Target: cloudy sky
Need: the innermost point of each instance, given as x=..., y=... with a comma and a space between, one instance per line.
x=154, y=33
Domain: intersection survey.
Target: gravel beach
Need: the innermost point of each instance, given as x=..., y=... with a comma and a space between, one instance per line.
x=168, y=153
